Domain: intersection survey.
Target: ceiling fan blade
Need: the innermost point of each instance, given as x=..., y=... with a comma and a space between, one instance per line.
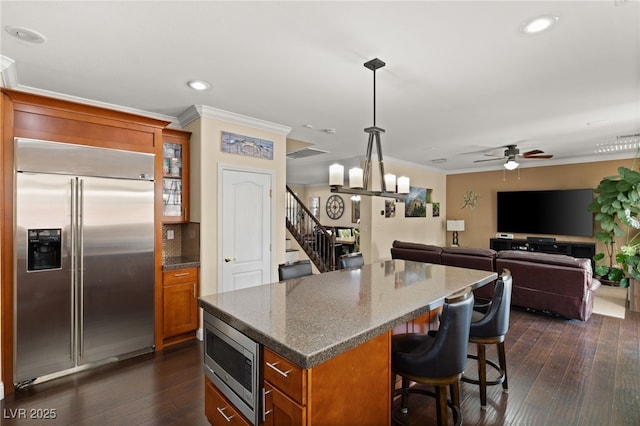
x=532, y=152
x=539, y=156
x=489, y=159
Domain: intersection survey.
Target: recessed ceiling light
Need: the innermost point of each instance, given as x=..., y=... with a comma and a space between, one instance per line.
x=25, y=34
x=199, y=85
x=539, y=24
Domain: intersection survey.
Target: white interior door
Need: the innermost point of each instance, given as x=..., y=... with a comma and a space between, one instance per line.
x=245, y=229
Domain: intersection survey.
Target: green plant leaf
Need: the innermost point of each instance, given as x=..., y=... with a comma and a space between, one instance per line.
x=602, y=270
x=616, y=274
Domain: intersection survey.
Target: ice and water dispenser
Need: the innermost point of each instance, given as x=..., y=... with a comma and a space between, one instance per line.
x=45, y=249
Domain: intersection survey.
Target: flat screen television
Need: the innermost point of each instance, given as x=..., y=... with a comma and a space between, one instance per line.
x=554, y=212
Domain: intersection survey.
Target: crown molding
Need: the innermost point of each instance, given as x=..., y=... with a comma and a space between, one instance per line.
x=9, y=80
x=8, y=73
x=91, y=102
x=202, y=111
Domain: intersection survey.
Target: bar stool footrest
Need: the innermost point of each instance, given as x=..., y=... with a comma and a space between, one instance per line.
x=457, y=414
x=495, y=366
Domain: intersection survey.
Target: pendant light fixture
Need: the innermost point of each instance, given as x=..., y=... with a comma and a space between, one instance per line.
x=359, y=178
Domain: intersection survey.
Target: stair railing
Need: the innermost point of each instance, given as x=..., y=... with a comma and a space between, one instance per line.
x=316, y=241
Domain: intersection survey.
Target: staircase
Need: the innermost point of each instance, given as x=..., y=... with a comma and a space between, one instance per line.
x=315, y=240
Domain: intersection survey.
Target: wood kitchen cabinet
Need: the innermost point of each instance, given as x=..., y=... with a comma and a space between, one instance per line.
x=281, y=410
x=218, y=410
x=175, y=176
x=285, y=387
x=180, y=305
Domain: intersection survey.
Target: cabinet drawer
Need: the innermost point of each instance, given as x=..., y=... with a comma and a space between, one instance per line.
x=280, y=410
x=286, y=376
x=218, y=410
x=179, y=276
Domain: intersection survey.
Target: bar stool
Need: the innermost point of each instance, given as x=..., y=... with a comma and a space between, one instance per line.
x=490, y=328
x=437, y=360
x=351, y=260
x=288, y=271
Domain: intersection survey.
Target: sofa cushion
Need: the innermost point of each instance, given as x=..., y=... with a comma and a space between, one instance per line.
x=470, y=251
x=344, y=233
x=546, y=258
x=416, y=252
x=416, y=246
x=467, y=257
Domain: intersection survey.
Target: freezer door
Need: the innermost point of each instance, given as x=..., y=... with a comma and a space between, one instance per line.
x=43, y=314
x=116, y=310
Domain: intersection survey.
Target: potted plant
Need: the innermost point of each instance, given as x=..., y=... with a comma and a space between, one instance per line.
x=616, y=209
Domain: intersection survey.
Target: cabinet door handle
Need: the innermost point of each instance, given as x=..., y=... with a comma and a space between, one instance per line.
x=182, y=274
x=277, y=370
x=221, y=411
x=264, y=404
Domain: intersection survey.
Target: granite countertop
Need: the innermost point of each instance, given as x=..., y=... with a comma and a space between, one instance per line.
x=179, y=262
x=310, y=320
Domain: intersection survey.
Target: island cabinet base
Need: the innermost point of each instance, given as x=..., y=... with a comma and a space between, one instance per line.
x=351, y=388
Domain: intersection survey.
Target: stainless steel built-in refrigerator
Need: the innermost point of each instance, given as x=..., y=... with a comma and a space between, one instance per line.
x=84, y=256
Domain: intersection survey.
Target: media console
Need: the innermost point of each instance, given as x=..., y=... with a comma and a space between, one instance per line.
x=575, y=249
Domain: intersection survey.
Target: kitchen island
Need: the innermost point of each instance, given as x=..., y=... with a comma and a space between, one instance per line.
x=335, y=330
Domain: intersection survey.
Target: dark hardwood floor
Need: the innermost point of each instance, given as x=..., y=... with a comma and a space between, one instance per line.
x=560, y=373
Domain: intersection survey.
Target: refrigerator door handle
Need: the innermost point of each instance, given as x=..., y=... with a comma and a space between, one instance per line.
x=80, y=255
x=74, y=259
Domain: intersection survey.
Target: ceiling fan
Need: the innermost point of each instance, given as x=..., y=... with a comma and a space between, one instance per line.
x=512, y=152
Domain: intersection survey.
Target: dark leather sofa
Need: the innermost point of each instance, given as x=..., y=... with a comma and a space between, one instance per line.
x=557, y=284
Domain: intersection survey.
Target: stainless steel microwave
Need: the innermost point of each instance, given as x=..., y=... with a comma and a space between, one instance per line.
x=232, y=362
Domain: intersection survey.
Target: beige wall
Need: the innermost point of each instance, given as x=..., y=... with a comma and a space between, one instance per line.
x=481, y=223
x=206, y=157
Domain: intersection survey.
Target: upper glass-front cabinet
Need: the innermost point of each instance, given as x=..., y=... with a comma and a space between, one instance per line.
x=175, y=176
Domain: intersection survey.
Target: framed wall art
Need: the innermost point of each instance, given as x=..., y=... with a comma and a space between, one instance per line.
x=246, y=145
x=415, y=205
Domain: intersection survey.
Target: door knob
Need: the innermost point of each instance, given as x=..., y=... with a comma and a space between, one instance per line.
x=228, y=259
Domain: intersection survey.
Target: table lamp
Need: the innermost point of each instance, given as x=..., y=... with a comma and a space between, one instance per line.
x=455, y=226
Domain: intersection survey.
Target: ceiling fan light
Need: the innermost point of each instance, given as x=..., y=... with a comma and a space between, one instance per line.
x=511, y=165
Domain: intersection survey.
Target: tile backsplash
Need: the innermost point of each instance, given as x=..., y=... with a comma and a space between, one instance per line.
x=185, y=242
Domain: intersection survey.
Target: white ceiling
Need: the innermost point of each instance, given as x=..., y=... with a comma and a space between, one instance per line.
x=460, y=79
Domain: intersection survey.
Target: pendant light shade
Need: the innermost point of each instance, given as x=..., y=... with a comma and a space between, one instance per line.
x=336, y=175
